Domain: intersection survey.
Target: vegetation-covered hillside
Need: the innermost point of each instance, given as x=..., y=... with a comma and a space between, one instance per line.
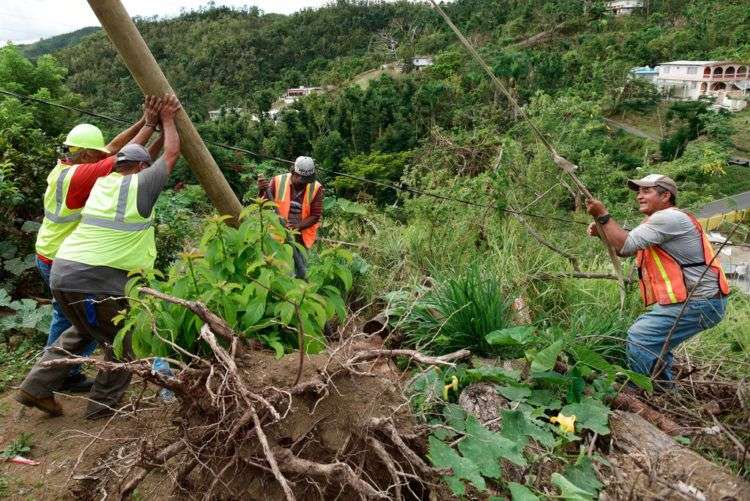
x=444, y=275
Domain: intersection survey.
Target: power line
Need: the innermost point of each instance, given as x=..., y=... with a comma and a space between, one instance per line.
x=408, y=189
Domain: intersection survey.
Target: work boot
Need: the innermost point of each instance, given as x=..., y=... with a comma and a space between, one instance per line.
x=77, y=383
x=46, y=404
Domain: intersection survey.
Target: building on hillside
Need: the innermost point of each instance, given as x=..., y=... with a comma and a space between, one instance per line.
x=216, y=114
x=726, y=82
x=623, y=7
x=646, y=73
x=297, y=92
x=421, y=62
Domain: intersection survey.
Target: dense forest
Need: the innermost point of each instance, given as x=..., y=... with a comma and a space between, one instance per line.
x=444, y=275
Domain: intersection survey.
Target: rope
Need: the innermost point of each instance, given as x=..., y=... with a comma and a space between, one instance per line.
x=560, y=161
x=331, y=171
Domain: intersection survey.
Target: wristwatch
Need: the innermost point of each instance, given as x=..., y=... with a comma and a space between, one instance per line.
x=603, y=219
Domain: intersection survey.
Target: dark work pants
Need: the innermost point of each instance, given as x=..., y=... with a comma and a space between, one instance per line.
x=91, y=316
x=300, y=266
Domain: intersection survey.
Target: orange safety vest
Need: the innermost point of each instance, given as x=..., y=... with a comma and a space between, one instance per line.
x=661, y=276
x=282, y=185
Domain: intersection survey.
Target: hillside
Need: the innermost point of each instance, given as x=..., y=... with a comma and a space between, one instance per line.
x=56, y=43
x=455, y=334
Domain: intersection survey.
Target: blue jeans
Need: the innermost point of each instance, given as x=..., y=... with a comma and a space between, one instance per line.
x=647, y=335
x=60, y=322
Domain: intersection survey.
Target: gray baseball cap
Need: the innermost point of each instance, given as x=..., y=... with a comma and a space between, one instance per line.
x=653, y=180
x=304, y=166
x=134, y=153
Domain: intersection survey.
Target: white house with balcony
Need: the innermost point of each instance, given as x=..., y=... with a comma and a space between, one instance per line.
x=623, y=7
x=727, y=82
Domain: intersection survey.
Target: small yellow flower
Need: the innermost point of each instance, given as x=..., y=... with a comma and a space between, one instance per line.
x=453, y=384
x=567, y=423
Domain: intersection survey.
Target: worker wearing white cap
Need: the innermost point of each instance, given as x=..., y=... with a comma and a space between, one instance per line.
x=299, y=199
x=676, y=264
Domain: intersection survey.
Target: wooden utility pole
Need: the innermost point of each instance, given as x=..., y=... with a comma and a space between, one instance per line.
x=145, y=70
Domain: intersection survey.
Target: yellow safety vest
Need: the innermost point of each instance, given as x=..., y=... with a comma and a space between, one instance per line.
x=59, y=221
x=112, y=232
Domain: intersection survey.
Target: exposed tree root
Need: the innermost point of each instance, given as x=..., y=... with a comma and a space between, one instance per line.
x=246, y=428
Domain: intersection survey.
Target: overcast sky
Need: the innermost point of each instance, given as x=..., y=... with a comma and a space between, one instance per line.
x=24, y=21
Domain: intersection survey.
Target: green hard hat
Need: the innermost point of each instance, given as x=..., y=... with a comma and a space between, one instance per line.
x=86, y=136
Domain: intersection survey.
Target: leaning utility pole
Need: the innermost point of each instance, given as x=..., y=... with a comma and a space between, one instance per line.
x=144, y=68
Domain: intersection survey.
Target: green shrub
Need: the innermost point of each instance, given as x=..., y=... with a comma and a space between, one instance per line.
x=245, y=275
x=458, y=313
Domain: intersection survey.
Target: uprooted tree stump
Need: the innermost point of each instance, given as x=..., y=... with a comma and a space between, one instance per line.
x=250, y=426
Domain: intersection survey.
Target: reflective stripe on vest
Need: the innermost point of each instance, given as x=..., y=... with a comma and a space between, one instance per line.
x=661, y=276
x=118, y=223
x=59, y=221
x=112, y=232
x=283, y=198
x=664, y=275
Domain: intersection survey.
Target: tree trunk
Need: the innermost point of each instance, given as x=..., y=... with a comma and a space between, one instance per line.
x=671, y=470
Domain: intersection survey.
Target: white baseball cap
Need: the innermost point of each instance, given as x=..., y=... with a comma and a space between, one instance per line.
x=304, y=166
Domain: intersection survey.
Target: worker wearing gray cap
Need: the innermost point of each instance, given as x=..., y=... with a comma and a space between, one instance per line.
x=115, y=237
x=676, y=263
x=299, y=201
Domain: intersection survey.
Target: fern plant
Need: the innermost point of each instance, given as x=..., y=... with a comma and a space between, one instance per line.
x=245, y=275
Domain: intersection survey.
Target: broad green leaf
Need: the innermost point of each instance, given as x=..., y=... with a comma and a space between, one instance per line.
x=5, y=299
x=455, y=417
x=491, y=374
x=520, y=492
x=285, y=312
x=569, y=491
x=590, y=413
x=545, y=399
x=641, y=380
x=583, y=475
x=17, y=265
x=519, y=335
x=486, y=448
x=443, y=456
x=585, y=355
x=7, y=250
x=516, y=424
x=515, y=393
x=545, y=359
x=253, y=312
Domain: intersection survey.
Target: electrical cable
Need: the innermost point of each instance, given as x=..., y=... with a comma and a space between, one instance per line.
x=331, y=171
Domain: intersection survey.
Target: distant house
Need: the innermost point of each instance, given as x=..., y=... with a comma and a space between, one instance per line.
x=645, y=72
x=217, y=114
x=727, y=82
x=623, y=7
x=421, y=62
x=297, y=92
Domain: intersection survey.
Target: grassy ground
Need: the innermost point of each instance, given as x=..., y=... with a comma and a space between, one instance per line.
x=741, y=138
x=364, y=79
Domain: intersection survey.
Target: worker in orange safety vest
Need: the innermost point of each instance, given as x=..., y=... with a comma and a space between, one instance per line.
x=676, y=264
x=299, y=201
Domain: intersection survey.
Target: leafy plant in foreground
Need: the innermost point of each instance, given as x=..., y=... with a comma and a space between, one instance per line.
x=459, y=313
x=245, y=275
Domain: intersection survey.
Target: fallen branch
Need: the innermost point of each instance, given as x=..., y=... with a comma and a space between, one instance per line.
x=446, y=360
x=214, y=322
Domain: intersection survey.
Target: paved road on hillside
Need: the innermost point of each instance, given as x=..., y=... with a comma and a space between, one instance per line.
x=633, y=130
x=740, y=201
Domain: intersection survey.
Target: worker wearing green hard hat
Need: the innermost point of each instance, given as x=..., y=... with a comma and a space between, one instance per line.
x=84, y=158
x=86, y=136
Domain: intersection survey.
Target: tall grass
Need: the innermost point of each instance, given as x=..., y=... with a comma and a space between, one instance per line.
x=458, y=313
